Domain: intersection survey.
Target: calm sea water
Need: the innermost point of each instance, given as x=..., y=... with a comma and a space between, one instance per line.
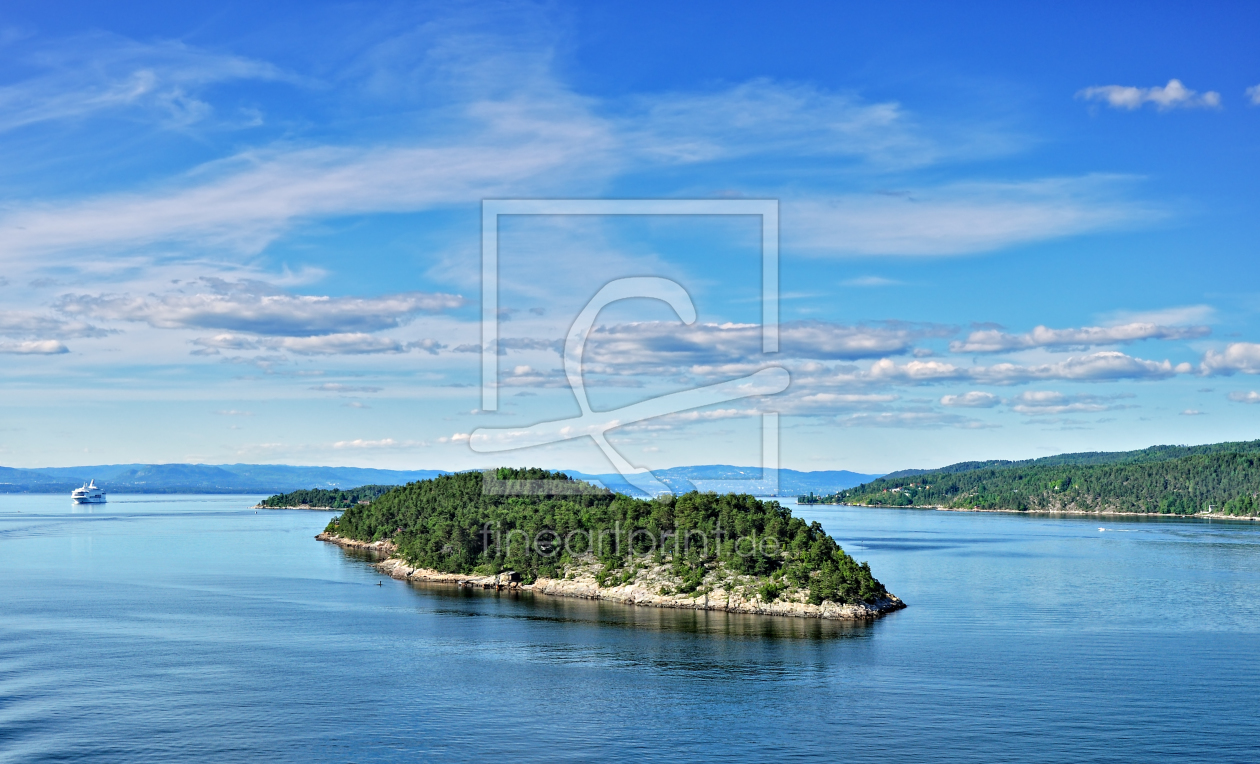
x=191, y=628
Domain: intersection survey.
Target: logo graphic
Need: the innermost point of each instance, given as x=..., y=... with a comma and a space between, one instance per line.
x=596, y=424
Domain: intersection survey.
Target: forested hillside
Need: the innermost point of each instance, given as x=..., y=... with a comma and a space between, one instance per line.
x=322, y=497
x=1221, y=478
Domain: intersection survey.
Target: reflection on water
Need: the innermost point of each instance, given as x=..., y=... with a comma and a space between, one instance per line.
x=573, y=610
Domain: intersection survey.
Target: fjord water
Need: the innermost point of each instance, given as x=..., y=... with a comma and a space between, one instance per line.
x=158, y=628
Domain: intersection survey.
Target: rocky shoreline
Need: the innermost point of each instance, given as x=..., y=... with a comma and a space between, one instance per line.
x=647, y=585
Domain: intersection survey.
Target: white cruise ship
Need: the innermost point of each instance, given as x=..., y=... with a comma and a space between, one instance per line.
x=88, y=494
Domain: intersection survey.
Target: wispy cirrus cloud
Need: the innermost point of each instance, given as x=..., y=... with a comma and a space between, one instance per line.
x=996, y=341
x=1174, y=95
x=961, y=218
x=100, y=72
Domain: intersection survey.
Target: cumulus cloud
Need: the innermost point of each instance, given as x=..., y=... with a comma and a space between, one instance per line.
x=1237, y=357
x=1097, y=367
x=1174, y=95
x=1192, y=412
x=995, y=341
x=252, y=307
x=1047, y=402
x=28, y=325
x=669, y=346
x=1245, y=396
x=33, y=347
x=974, y=399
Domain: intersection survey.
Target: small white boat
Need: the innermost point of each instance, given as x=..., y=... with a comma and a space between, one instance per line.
x=88, y=494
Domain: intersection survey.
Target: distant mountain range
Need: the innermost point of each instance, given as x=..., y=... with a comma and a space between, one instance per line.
x=282, y=478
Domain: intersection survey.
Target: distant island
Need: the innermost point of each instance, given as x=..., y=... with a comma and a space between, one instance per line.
x=548, y=533
x=1214, y=479
x=324, y=498
x=279, y=478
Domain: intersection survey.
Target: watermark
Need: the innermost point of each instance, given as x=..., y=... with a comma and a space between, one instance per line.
x=621, y=543
x=597, y=424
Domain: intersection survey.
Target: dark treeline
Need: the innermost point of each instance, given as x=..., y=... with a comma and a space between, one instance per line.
x=453, y=523
x=1223, y=478
x=333, y=498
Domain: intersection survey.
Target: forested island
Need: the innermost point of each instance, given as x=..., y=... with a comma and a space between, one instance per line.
x=324, y=498
x=1215, y=479
x=561, y=536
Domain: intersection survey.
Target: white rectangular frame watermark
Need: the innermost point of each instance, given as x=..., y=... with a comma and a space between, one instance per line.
x=766, y=209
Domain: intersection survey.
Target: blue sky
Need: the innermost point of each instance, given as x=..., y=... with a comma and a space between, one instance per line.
x=235, y=233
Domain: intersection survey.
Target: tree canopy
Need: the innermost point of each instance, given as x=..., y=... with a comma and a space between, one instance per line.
x=452, y=523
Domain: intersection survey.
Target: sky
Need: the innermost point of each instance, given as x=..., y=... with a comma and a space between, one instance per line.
x=245, y=232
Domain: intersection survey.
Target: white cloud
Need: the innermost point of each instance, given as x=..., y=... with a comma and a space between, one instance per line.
x=1237, y=356
x=1192, y=412
x=1249, y=396
x=337, y=387
x=33, y=347
x=762, y=116
x=384, y=443
x=1174, y=95
x=254, y=308
x=994, y=341
x=100, y=72
x=669, y=347
x=1253, y=94
x=913, y=420
x=959, y=219
x=234, y=412
x=974, y=399
x=1096, y=367
x=1182, y=315
x=244, y=202
x=30, y=325
x=355, y=343
x=1047, y=402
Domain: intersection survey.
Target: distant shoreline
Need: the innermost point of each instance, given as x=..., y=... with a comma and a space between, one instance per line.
x=581, y=584
x=1073, y=512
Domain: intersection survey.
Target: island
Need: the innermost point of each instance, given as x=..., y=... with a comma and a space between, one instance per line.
x=1217, y=479
x=544, y=532
x=324, y=498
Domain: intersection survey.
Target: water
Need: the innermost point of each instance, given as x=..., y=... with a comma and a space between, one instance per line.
x=190, y=628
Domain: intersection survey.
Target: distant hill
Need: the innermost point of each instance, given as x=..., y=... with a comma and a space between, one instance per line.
x=1221, y=478
x=202, y=478
x=725, y=478
x=282, y=478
